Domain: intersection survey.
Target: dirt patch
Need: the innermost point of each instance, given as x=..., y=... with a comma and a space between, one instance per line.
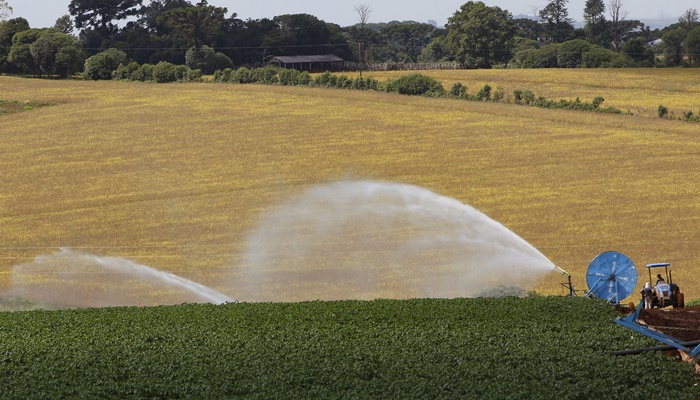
x=680, y=323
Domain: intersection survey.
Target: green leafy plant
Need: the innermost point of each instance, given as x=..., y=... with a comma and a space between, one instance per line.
x=425, y=348
x=416, y=85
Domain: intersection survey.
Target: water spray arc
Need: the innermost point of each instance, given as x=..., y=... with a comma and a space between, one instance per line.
x=69, y=278
x=343, y=240
x=369, y=239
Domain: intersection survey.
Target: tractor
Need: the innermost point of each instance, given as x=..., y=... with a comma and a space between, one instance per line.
x=665, y=293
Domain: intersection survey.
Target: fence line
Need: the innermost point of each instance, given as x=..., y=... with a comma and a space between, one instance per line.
x=403, y=66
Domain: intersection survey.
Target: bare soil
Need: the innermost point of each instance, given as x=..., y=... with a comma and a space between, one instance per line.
x=681, y=323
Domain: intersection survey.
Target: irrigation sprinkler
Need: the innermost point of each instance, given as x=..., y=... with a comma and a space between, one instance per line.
x=611, y=276
x=568, y=284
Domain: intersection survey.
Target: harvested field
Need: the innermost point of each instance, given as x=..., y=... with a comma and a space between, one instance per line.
x=176, y=176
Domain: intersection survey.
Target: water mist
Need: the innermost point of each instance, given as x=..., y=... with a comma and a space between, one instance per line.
x=343, y=240
x=69, y=278
x=366, y=240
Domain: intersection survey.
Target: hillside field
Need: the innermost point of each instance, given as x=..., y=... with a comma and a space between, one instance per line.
x=175, y=176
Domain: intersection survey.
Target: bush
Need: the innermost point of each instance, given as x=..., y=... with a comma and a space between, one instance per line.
x=185, y=74
x=223, y=75
x=517, y=96
x=125, y=72
x=416, y=85
x=359, y=84
x=663, y=111
x=165, y=72
x=545, y=57
x=621, y=61
x=265, y=75
x=242, y=75
x=372, y=84
x=570, y=54
x=597, y=57
x=144, y=73
x=222, y=61
x=101, y=66
x=323, y=80
x=287, y=76
x=597, y=101
x=484, y=94
x=459, y=91
x=304, y=78
x=343, y=82
x=499, y=94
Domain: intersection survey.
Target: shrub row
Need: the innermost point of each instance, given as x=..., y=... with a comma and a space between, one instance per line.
x=412, y=85
x=163, y=72
x=113, y=64
x=293, y=77
x=527, y=97
x=687, y=116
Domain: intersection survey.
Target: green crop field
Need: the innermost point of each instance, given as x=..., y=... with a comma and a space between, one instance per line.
x=531, y=348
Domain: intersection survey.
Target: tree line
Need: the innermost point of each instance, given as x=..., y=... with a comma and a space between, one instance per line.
x=209, y=38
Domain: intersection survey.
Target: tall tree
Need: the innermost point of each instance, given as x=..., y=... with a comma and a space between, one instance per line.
x=480, y=36
x=557, y=24
x=692, y=46
x=7, y=31
x=297, y=34
x=148, y=15
x=57, y=54
x=101, y=15
x=193, y=26
x=617, y=24
x=673, y=46
x=20, y=54
x=404, y=41
x=64, y=24
x=596, y=28
x=689, y=19
x=639, y=51
x=363, y=12
x=528, y=28
x=5, y=10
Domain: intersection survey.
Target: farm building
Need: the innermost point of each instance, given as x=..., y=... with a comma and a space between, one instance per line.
x=324, y=62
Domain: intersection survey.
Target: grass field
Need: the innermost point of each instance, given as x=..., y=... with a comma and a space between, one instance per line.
x=175, y=176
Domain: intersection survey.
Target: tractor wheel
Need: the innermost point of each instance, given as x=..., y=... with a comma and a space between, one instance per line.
x=680, y=301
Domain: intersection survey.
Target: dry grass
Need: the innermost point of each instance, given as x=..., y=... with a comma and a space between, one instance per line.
x=174, y=176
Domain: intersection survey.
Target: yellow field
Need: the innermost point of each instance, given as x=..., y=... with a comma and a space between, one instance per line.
x=174, y=176
x=639, y=91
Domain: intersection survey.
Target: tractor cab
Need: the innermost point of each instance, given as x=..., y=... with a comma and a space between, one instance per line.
x=666, y=293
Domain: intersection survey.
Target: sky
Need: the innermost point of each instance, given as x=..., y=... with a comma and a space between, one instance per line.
x=44, y=13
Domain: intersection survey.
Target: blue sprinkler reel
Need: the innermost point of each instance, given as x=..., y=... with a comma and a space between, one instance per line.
x=611, y=276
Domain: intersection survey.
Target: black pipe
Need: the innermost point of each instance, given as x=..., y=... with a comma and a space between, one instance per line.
x=667, y=347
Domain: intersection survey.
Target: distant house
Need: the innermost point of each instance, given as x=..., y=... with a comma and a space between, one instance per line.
x=318, y=63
